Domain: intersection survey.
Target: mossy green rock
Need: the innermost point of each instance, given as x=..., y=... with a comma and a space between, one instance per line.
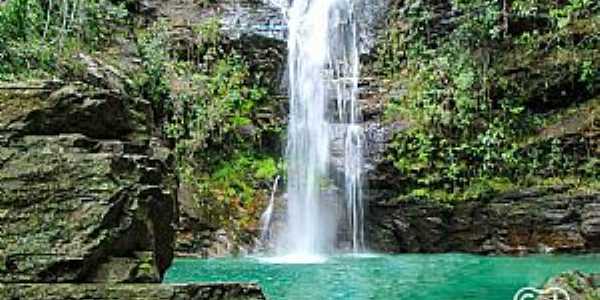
x=224, y=291
x=83, y=198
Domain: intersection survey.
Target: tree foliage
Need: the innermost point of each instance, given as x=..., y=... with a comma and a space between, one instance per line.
x=36, y=34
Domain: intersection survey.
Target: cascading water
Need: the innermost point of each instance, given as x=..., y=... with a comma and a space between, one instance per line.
x=323, y=66
x=265, y=218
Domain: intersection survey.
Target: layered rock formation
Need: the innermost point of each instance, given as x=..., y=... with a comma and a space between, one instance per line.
x=86, y=190
x=87, y=194
x=527, y=221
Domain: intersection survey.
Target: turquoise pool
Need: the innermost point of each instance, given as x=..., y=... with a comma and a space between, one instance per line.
x=383, y=277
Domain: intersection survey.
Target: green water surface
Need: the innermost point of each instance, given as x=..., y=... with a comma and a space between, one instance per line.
x=422, y=277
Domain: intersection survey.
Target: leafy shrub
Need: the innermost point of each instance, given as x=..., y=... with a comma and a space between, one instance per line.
x=468, y=110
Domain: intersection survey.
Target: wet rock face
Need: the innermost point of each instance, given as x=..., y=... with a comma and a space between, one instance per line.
x=84, y=188
x=237, y=18
x=370, y=14
x=224, y=291
x=255, y=17
x=529, y=221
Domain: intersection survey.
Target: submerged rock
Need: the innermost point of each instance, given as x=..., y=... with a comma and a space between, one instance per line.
x=579, y=286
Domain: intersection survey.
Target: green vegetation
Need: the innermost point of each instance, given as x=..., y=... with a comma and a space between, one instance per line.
x=484, y=85
x=233, y=193
x=38, y=37
x=207, y=100
x=499, y=95
x=204, y=96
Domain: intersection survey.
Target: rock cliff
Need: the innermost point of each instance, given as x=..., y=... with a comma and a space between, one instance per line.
x=87, y=191
x=88, y=195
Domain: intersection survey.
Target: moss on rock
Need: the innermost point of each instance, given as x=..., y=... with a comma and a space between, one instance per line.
x=71, y=203
x=224, y=291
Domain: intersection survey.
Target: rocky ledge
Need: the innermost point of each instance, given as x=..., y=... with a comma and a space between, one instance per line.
x=221, y=291
x=554, y=219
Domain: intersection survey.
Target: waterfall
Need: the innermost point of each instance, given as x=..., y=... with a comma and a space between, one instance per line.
x=323, y=68
x=265, y=218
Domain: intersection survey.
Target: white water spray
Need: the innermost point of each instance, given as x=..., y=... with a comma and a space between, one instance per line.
x=323, y=63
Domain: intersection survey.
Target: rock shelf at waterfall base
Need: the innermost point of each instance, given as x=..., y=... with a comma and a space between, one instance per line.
x=215, y=291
